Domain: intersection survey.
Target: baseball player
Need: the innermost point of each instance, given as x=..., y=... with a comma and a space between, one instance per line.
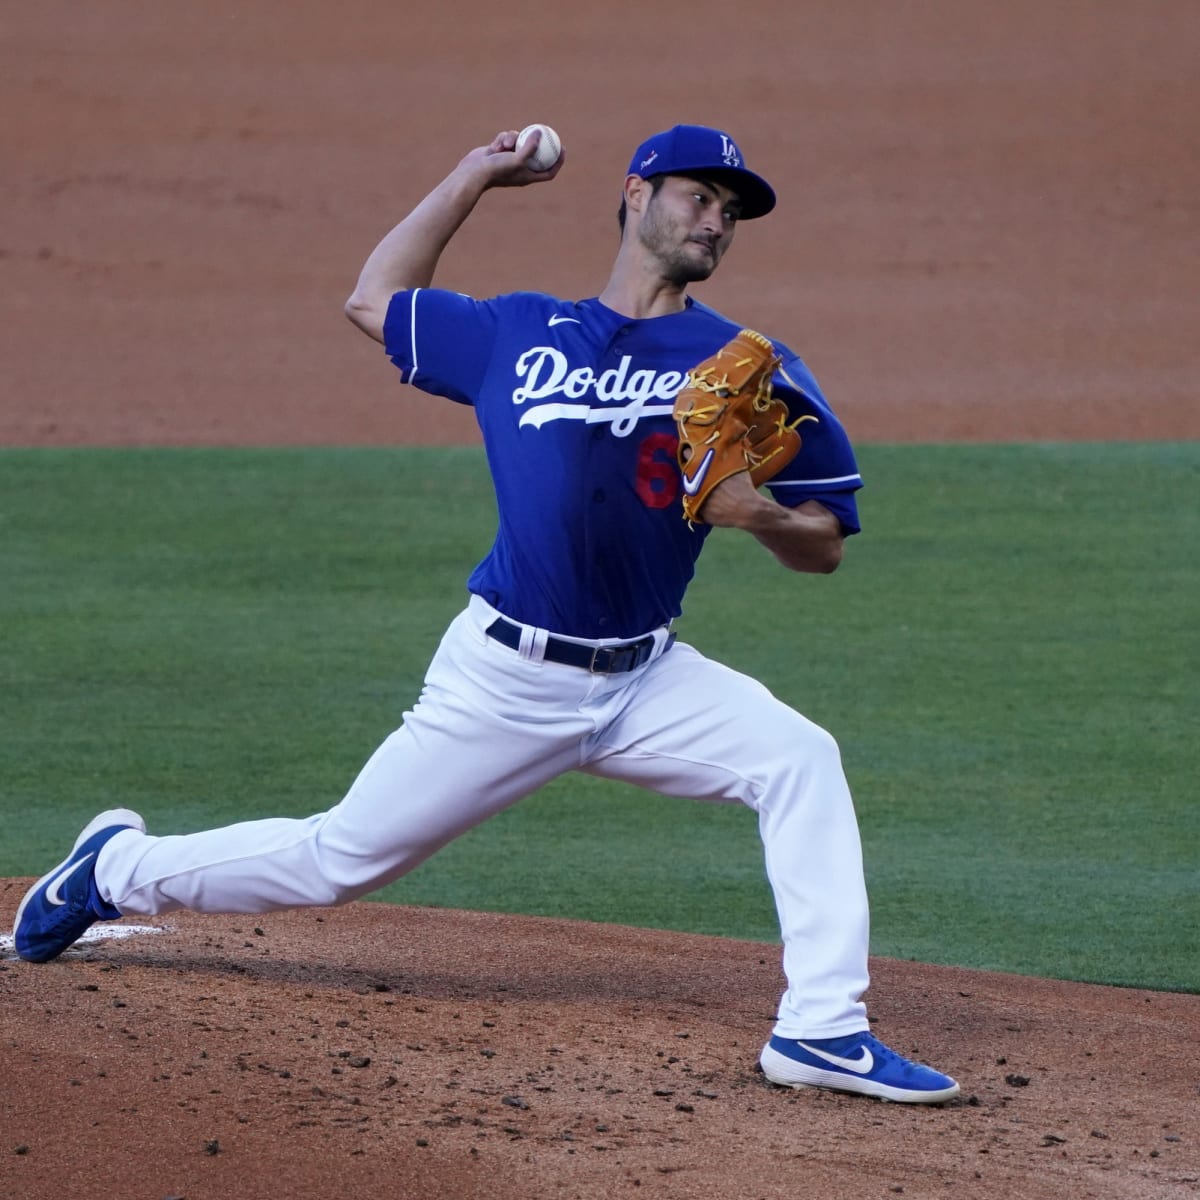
x=563, y=658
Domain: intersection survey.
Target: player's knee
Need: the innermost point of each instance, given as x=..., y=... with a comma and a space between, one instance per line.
x=816, y=753
x=790, y=752
x=352, y=863
x=344, y=893
x=803, y=739
x=822, y=744
x=339, y=887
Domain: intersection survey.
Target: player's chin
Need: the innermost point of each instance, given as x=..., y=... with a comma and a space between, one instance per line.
x=695, y=268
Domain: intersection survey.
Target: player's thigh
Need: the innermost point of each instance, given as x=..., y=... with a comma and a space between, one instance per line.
x=467, y=749
x=698, y=729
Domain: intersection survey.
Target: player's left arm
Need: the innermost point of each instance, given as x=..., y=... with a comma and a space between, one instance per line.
x=806, y=538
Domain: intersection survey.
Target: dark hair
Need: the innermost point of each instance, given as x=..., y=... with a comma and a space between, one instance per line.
x=655, y=182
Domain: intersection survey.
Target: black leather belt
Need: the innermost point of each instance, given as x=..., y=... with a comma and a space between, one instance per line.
x=601, y=660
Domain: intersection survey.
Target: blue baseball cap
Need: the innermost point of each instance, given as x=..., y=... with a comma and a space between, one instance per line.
x=699, y=150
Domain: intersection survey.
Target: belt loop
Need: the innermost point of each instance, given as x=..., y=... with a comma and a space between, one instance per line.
x=537, y=642
x=525, y=644
x=532, y=642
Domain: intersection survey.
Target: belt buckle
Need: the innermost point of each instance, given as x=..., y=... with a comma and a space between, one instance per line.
x=595, y=670
x=635, y=654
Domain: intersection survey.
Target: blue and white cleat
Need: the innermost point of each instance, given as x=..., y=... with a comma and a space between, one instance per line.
x=60, y=907
x=855, y=1063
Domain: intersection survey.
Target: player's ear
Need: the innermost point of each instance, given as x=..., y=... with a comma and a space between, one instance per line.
x=637, y=193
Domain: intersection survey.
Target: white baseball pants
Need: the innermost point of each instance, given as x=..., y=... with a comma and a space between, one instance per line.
x=491, y=726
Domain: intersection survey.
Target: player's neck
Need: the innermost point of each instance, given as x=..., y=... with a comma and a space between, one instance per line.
x=637, y=291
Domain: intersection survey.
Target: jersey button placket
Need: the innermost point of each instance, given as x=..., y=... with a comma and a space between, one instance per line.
x=597, y=456
x=600, y=433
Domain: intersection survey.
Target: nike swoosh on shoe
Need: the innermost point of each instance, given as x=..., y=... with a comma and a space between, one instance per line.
x=860, y=1066
x=54, y=886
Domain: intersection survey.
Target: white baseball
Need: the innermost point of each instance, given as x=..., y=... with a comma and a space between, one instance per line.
x=549, y=148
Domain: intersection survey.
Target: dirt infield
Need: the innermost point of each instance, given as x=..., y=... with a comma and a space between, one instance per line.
x=376, y=1050
x=988, y=230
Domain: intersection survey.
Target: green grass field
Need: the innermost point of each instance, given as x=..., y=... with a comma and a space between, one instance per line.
x=1008, y=658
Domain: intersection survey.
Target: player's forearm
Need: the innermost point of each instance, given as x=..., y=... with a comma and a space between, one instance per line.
x=408, y=256
x=806, y=538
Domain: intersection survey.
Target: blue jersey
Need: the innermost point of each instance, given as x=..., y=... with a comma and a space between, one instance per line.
x=575, y=403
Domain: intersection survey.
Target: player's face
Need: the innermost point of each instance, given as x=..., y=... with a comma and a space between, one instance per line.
x=687, y=226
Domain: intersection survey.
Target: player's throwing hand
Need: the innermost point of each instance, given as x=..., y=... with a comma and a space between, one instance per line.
x=504, y=165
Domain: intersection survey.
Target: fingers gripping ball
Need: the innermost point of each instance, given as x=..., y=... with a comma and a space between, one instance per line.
x=730, y=421
x=549, y=148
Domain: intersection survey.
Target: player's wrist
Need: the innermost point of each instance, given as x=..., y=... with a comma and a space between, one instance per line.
x=735, y=504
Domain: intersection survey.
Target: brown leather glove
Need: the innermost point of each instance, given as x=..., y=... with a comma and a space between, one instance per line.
x=729, y=420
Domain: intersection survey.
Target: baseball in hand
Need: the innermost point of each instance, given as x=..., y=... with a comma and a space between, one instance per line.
x=549, y=148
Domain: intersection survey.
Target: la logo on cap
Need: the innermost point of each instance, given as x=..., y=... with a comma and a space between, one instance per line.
x=697, y=150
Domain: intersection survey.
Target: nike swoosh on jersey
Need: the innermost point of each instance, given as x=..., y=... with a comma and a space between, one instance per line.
x=693, y=485
x=558, y=319
x=860, y=1065
x=54, y=886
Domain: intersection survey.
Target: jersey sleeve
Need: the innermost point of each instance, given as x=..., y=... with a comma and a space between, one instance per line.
x=825, y=469
x=441, y=341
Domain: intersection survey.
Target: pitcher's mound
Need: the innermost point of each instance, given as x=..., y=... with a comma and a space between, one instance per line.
x=381, y=1051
